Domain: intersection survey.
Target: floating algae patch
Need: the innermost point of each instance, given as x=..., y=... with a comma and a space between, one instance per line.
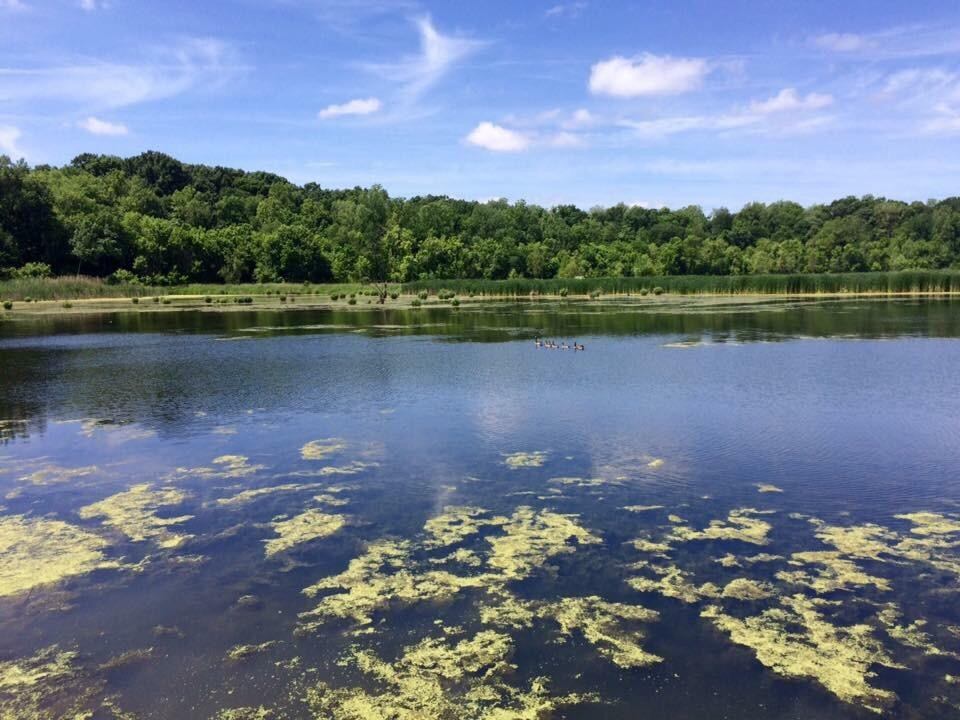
x=531, y=538
x=795, y=640
x=655, y=463
x=642, y=508
x=118, y=432
x=674, y=583
x=36, y=552
x=462, y=556
x=740, y=525
x=747, y=589
x=320, y=449
x=912, y=635
x=520, y=460
x=49, y=475
x=509, y=611
x=244, y=652
x=455, y=524
x=133, y=513
x=604, y=625
x=246, y=713
x=247, y=496
x=835, y=572
x=928, y=523
x=226, y=466
x=351, y=468
x=309, y=525
x=585, y=482
x=768, y=488
x=438, y=679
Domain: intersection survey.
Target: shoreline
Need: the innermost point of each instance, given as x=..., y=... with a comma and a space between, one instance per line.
x=181, y=303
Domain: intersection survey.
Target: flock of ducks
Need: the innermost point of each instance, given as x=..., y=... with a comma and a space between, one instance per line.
x=552, y=345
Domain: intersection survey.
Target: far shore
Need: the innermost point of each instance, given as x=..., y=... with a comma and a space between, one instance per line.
x=229, y=302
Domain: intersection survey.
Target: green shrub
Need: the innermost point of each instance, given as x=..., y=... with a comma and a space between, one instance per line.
x=135, y=300
x=415, y=302
x=352, y=301
x=422, y=294
x=123, y=277
x=563, y=292
x=658, y=290
x=353, y=296
x=166, y=301
x=207, y=299
x=28, y=299
x=156, y=299
x=394, y=295
x=455, y=302
x=32, y=271
x=283, y=298
x=68, y=304
x=644, y=291
x=7, y=305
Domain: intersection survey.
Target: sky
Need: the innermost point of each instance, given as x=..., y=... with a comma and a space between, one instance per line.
x=589, y=102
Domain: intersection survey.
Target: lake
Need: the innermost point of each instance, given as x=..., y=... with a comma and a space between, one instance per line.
x=717, y=509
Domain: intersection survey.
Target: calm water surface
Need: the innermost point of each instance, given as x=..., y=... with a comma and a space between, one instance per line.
x=774, y=443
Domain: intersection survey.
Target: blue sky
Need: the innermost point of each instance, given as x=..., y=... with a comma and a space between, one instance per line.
x=593, y=103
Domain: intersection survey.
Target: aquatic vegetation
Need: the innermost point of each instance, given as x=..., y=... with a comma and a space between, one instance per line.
x=912, y=635
x=455, y=524
x=320, y=449
x=739, y=525
x=795, y=640
x=437, y=679
x=246, y=713
x=603, y=626
x=133, y=513
x=649, y=546
x=129, y=657
x=767, y=488
x=351, y=468
x=532, y=538
x=674, y=583
x=48, y=475
x=246, y=496
x=584, y=482
x=835, y=573
x=243, y=652
x=518, y=460
x=508, y=611
x=747, y=589
x=227, y=466
x=35, y=552
x=928, y=523
x=642, y=508
x=655, y=463
x=309, y=525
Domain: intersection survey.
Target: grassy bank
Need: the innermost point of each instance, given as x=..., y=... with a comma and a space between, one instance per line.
x=910, y=281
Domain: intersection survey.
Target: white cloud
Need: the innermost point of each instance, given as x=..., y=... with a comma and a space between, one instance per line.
x=566, y=139
x=581, y=118
x=842, y=42
x=97, y=126
x=169, y=71
x=13, y=5
x=647, y=75
x=946, y=121
x=9, y=136
x=91, y=5
x=789, y=99
x=663, y=127
x=497, y=138
x=438, y=54
x=360, y=106
x=914, y=82
x=571, y=10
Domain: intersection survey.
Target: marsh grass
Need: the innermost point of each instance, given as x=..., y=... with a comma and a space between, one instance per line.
x=908, y=281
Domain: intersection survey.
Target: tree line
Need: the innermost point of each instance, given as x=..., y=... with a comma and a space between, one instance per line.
x=154, y=219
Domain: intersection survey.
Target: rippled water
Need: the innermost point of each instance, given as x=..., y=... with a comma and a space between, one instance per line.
x=688, y=447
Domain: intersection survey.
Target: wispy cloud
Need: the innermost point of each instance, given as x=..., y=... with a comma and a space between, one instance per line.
x=9, y=136
x=169, y=71
x=438, y=54
x=647, y=75
x=568, y=10
x=789, y=99
x=841, y=42
x=898, y=42
x=360, y=106
x=96, y=126
x=91, y=5
x=497, y=138
x=947, y=120
x=13, y=5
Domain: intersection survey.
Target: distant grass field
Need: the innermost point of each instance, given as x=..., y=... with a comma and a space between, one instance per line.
x=909, y=281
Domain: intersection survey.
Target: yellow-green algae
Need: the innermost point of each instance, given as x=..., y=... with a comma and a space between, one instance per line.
x=246, y=496
x=320, y=449
x=455, y=524
x=912, y=635
x=245, y=713
x=133, y=513
x=928, y=523
x=655, y=463
x=674, y=583
x=642, y=508
x=49, y=475
x=443, y=681
x=243, y=652
x=740, y=525
x=795, y=640
x=519, y=460
x=747, y=589
x=835, y=573
x=311, y=524
x=603, y=626
x=35, y=552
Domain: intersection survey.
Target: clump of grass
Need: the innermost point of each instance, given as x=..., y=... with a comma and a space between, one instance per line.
x=7, y=305
x=658, y=290
x=334, y=297
x=353, y=296
x=28, y=299
x=455, y=302
x=564, y=292
x=156, y=299
x=68, y=305
x=445, y=294
x=394, y=295
x=594, y=294
x=283, y=298
x=352, y=301
x=644, y=292
x=135, y=300
x=166, y=301
x=415, y=302
x=422, y=295
x=208, y=299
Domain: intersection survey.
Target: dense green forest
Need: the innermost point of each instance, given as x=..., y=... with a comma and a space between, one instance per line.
x=153, y=219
